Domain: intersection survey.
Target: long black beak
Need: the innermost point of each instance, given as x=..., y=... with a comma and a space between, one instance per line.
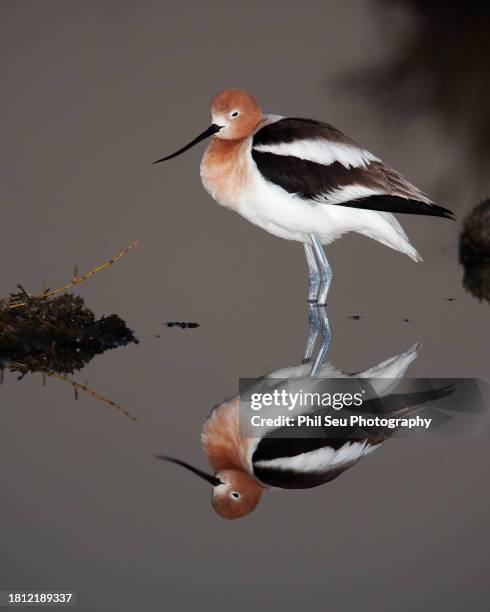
x=211, y=479
x=212, y=129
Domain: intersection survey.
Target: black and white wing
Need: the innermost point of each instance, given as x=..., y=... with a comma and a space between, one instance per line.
x=319, y=163
x=310, y=456
x=303, y=463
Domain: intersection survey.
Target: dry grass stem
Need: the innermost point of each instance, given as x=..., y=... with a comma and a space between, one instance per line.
x=76, y=387
x=77, y=280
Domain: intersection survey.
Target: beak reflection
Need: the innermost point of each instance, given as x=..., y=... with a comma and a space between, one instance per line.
x=208, y=477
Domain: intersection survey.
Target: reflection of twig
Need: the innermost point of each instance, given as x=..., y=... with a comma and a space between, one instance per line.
x=77, y=280
x=76, y=386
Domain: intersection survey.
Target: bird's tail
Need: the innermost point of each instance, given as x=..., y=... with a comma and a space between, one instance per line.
x=412, y=252
x=387, y=230
x=399, y=243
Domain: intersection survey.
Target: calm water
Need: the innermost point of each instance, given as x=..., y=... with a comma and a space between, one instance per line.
x=95, y=96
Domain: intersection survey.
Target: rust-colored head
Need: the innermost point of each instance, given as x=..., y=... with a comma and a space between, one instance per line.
x=236, y=112
x=235, y=116
x=237, y=495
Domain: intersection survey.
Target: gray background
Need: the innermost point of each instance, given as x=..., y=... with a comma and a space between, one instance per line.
x=92, y=93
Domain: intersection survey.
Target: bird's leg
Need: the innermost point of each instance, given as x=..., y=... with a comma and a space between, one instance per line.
x=326, y=339
x=325, y=270
x=313, y=329
x=313, y=273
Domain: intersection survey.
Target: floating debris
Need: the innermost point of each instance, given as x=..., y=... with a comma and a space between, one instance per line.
x=55, y=334
x=182, y=325
x=56, y=331
x=60, y=334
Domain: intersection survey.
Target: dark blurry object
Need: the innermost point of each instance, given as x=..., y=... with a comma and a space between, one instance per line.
x=60, y=334
x=440, y=60
x=182, y=324
x=474, y=251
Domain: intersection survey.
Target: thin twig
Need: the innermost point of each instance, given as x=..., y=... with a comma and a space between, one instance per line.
x=77, y=280
x=76, y=385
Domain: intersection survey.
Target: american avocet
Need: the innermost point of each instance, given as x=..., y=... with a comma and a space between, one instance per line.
x=244, y=467
x=304, y=180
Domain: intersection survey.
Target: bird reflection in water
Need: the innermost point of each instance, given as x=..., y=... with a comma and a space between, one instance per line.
x=245, y=466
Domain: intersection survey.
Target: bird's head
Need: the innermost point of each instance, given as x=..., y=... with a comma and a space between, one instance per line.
x=236, y=112
x=235, y=115
x=235, y=493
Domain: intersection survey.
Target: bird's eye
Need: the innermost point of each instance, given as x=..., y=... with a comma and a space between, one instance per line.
x=235, y=495
x=234, y=114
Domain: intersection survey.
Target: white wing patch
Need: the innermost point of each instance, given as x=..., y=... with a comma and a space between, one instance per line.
x=321, y=459
x=321, y=151
x=349, y=193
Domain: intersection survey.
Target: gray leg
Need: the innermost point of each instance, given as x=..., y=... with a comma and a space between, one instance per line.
x=313, y=273
x=313, y=329
x=325, y=270
x=326, y=339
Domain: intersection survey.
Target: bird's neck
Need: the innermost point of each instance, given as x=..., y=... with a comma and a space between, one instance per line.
x=221, y=437
x=223, y=152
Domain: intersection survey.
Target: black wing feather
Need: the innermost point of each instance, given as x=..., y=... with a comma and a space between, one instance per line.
x=290, y=129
